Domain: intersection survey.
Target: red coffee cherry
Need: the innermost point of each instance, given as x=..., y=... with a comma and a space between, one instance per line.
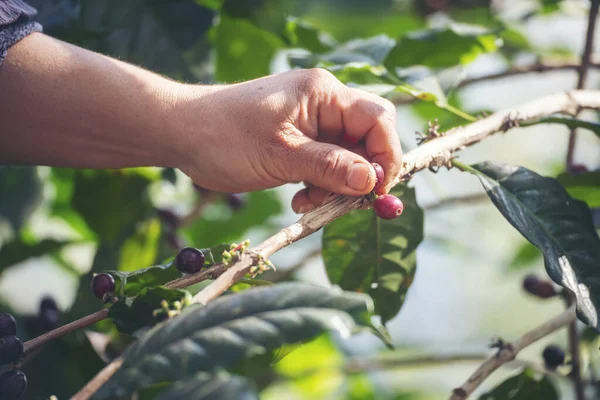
x=388, y=206
x=379, y=174
x=189, y=260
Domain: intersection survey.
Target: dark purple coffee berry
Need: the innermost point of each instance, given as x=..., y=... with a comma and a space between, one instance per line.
x=379, y=176
x=13, y=385
x=102, y=284
x=48, y=303
x=388, y=206
x=235, y=201
x=8, y=325
x=189, y=260
x=11, y=349
x=553, y=357
x=169, y=218
x=538, y=287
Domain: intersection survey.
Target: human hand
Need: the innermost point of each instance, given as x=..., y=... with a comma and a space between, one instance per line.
x=301, y=125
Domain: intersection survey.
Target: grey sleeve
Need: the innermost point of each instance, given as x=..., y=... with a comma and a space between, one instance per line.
x=15, y=23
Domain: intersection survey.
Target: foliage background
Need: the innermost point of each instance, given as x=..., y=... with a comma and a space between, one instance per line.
x=471, y=262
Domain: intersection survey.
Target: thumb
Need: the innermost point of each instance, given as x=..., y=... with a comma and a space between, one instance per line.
x=333, y=168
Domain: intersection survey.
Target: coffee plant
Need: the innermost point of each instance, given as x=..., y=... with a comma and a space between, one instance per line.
x=178, y=304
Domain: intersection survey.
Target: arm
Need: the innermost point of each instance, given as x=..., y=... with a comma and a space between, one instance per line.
x=69, y=107
x=65, y=106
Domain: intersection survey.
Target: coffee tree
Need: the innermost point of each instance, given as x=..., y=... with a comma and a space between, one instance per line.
x=180, y=305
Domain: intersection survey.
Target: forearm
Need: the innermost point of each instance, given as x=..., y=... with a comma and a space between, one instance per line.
x=61, y=105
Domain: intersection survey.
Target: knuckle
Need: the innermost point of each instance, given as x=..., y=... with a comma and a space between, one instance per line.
x=329, y=163
x=313, y=79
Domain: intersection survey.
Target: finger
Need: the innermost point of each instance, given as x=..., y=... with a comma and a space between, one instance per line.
x=301, y=202
x=332, y=168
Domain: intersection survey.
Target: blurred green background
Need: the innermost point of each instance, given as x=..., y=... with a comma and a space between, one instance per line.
x=59, y=226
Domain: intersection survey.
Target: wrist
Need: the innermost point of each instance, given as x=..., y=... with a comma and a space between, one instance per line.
x=189, y=116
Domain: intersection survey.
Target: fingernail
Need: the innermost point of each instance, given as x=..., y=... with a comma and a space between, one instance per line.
x=359, y=177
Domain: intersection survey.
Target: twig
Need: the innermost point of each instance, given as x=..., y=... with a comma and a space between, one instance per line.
x=540, y=67
x=33, y=344
x=457, y=200
x=575, y=374
x=537, y=68
x=437, y=152
x=509, y=352
x=583, y=70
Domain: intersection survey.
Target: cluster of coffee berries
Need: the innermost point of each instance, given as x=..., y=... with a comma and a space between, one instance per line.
x=386, y=206
x=542, y=288
x=189, y=260
x=554, y=356
x=46, y=318
x=13, y=383
x=103, y=286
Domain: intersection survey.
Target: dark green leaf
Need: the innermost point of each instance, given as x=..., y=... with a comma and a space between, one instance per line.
x=524, y=386
x=232, y=328
x=16, y=251
x=371, y=255
x=131, y=283
x=226, y=226
x=553, y=221
x=111, y=202
x=129, y=315
x=21, y=193
x=584, y=186
x=441, y=47
x=205, y=386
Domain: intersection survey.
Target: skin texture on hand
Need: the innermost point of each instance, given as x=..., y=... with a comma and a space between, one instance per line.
x=65, y=106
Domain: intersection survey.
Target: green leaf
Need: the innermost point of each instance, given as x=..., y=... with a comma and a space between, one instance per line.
x=21, y=193
x=584, y=186
x=129, y=315
x=232, y=328
x=441, y=47
x=542, y=211
x=525, y=255
x=16, y=251
x=371, y=51
x=140, y=249
x=112, y=202
x=222, y=225
x=204, y=386
x=524, y=386
x=371, y=255
x=306, y=36
x=212, y=4
x=131, y=283
x=358, y=72
x=237, y=41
